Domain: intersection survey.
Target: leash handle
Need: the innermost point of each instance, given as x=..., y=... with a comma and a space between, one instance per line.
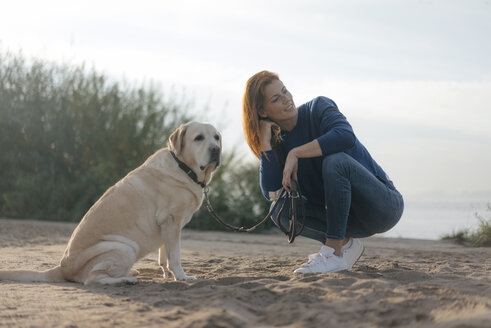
x=293, y=195
x=294, y=190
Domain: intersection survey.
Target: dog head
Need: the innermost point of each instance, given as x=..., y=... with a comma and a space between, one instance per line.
x=199, y=146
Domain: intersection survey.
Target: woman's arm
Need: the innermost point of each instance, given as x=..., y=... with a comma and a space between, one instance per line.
x=336, y=134
x=270, y=171
x=265, y=127
x=308, y=150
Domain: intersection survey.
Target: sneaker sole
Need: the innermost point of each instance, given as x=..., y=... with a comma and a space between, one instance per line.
x=326, y=272
x=361, y=254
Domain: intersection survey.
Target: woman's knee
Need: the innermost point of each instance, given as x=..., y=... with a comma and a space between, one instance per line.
x=335, y=162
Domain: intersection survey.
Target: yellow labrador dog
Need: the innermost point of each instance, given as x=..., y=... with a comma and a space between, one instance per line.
x=144, y=211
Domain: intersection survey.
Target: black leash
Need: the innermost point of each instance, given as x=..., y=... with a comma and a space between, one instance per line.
x=291, y=197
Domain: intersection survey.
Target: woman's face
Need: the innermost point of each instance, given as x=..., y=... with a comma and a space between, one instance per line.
x=278, y=103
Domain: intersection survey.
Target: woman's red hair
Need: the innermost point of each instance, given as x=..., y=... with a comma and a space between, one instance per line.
x=252, y=103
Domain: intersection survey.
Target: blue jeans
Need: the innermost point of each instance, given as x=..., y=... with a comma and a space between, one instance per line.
x=357, y=204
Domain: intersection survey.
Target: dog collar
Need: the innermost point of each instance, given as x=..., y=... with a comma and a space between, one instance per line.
x=187, y=170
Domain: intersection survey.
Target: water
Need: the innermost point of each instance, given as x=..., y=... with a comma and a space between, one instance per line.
x=432, y=220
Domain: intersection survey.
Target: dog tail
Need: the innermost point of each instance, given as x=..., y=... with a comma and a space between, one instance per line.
x=52, y=275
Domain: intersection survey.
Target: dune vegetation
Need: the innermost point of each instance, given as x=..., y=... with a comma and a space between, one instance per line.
x=67, y=133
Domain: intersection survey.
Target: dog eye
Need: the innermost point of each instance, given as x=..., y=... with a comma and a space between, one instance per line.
x=199, y=138
x=217, y=137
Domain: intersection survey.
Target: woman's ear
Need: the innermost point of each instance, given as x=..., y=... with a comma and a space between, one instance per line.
x=262, y=114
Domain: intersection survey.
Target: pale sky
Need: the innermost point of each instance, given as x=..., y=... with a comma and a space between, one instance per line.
x=412, y=77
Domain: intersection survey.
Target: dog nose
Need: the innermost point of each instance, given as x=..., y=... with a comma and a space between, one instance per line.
x=215, y=149
x=215, y=154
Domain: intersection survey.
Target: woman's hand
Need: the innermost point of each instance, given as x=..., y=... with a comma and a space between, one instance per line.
x=265, y=126
x=290, y=170
x=308, y=150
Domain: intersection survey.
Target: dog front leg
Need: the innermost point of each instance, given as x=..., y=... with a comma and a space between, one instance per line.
x=163, y=262
x=172, y=244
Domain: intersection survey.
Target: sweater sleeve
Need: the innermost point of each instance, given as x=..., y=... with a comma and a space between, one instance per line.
x=270, y=173
x=336, y=134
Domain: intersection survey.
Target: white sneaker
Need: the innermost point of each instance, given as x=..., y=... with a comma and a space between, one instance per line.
x=352, y=251
x=323, y=262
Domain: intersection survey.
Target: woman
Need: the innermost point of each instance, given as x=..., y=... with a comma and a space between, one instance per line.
x=347, y=194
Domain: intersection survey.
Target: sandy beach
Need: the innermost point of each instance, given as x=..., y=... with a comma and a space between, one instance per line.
x=246, y=280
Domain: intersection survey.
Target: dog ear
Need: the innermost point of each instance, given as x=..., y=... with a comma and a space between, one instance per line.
x=176, y=140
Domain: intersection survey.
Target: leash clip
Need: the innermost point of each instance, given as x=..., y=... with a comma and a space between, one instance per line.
x=293, y=189
x=294, y=194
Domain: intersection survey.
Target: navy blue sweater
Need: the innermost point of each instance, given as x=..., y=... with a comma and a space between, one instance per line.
x=317, y=119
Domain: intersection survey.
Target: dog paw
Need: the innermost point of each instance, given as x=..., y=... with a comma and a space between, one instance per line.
x=166, y=273
x=130, y=281
x=186, y=278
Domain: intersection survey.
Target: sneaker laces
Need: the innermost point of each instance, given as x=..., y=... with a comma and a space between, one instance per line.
x=314, y=259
